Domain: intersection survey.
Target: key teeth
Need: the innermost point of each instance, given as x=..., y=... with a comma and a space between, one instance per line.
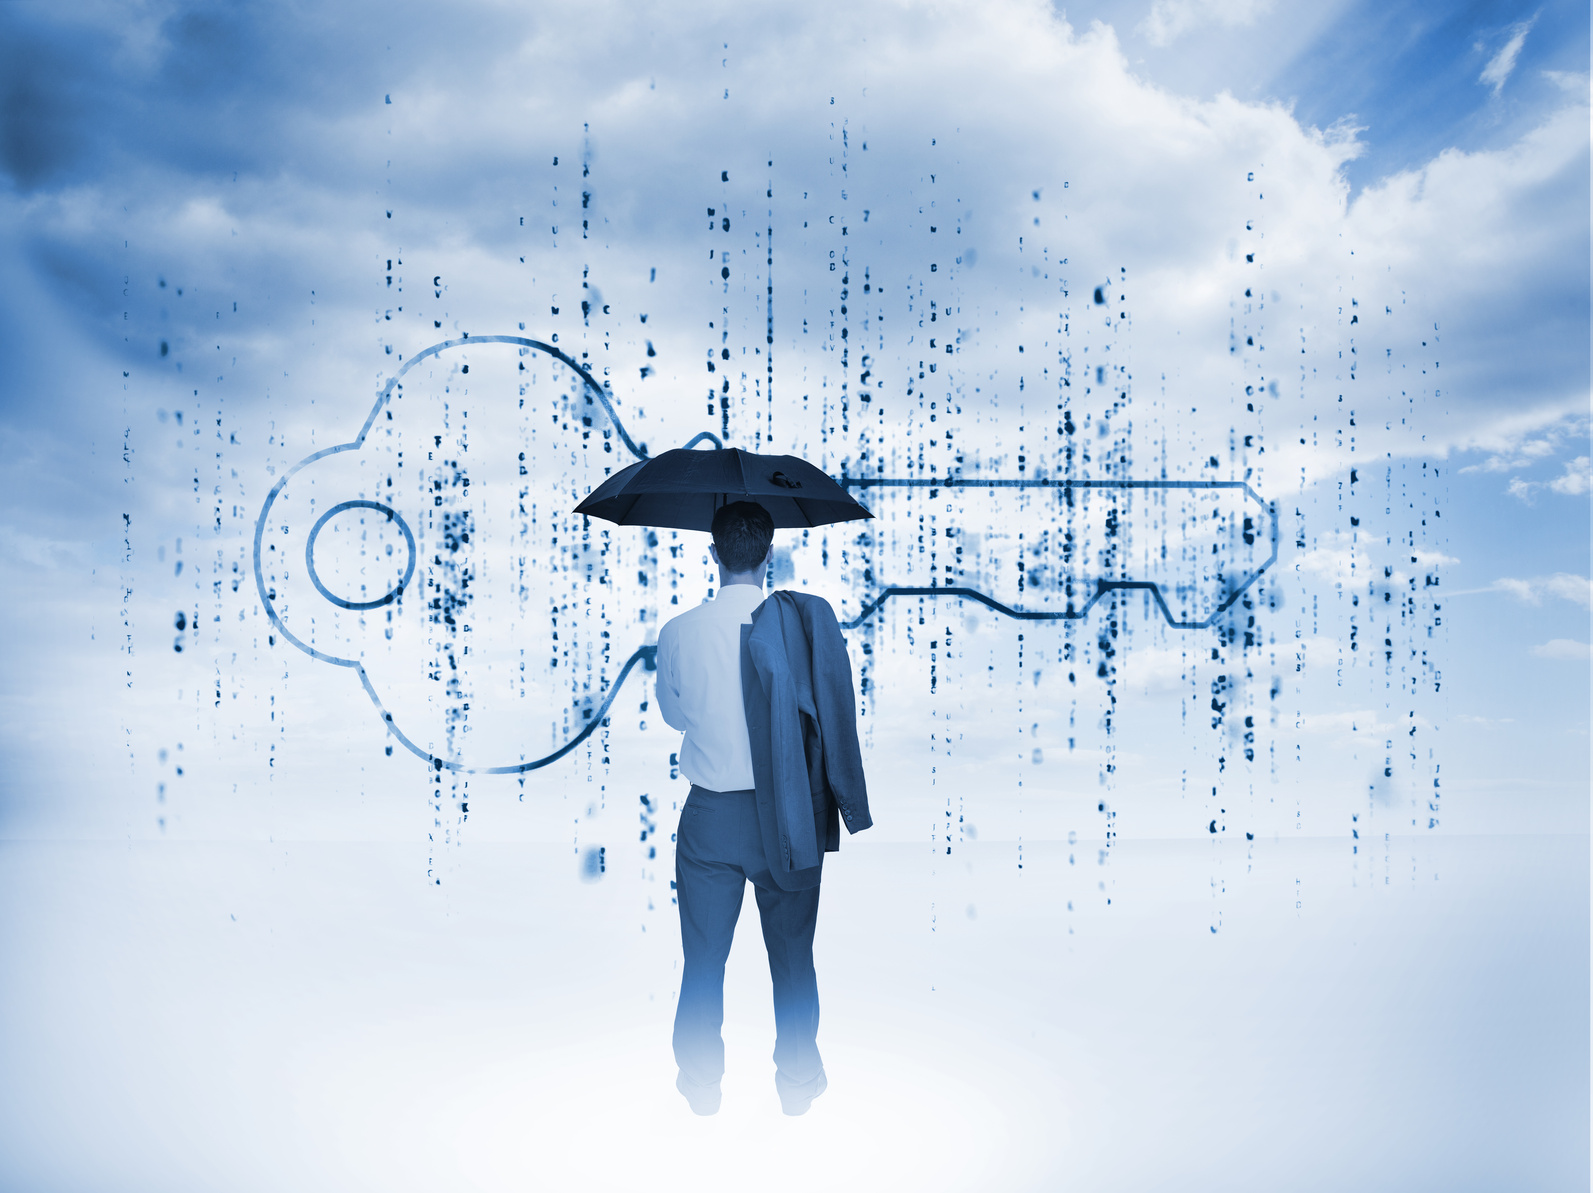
x=1182, y=605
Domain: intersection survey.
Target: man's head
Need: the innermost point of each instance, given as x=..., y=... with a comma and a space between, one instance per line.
x=742, y=533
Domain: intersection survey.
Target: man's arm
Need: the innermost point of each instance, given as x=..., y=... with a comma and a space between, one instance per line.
x=667, y=685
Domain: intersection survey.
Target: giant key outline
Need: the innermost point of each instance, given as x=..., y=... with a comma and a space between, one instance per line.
x=647, y=655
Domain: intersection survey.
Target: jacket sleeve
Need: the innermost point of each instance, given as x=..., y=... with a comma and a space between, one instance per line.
x=836, y=701
x=790, y=801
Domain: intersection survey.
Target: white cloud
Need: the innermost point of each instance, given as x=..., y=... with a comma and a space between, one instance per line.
x=1576, y=479
x=1170, y=19
x=1470, y=378
x=1573, y=482
x=1523, y=440
x=1573, y=81
x=1502, y=63
x=1529, y=439
x=1563, y=648
x=993, y=102
x=1364, y=721
x=1155, y=670
x=1339, y=556
x=978, y=108
x=1334, y=558
x=1532, y=591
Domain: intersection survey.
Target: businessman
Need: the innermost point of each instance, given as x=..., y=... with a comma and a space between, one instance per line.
x=762, y=691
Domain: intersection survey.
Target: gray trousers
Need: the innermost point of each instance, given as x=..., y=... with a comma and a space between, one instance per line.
x=718, y=850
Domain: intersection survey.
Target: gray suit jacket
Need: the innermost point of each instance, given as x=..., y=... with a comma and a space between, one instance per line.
x=796, y=684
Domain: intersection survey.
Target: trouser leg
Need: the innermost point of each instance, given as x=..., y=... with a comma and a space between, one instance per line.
x=709, y=894
x=789, y=919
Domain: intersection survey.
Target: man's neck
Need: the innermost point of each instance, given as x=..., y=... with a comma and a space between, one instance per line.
x=751, y=579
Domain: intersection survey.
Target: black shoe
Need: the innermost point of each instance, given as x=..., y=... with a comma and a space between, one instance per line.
x=794, y=1103
x=703, y=1099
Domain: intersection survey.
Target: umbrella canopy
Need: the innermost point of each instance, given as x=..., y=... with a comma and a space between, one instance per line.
x=682, y=489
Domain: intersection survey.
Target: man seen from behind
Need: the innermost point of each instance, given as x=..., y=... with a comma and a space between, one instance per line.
x=762, y=691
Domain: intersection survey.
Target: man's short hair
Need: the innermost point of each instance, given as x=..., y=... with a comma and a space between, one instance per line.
x=742, y=533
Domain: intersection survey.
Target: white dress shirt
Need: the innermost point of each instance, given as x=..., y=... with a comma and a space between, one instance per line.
x=699, y=688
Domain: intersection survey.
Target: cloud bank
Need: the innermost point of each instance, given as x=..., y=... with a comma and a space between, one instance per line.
x=906, y=238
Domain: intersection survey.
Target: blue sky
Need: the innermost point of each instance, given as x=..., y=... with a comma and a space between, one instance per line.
x=235, y=184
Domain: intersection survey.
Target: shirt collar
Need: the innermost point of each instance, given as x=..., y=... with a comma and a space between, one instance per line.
x=740, y=596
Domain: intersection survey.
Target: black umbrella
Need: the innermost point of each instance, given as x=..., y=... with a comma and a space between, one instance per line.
x=682, y=489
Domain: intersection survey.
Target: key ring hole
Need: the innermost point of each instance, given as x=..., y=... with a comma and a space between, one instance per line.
x=392, y=594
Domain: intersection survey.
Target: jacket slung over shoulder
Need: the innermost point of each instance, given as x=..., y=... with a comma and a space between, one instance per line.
x=802, y=722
